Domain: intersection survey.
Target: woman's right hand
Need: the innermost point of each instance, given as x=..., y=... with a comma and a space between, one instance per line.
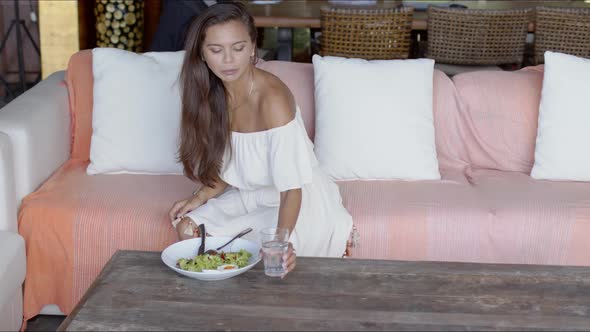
x=180, y=208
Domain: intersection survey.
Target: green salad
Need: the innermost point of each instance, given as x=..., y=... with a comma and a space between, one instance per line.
x=212, y=262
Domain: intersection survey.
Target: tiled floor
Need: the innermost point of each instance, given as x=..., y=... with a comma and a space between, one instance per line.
x=44, y=323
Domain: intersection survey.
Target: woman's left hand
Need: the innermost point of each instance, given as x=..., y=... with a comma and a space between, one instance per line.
x=289, y=260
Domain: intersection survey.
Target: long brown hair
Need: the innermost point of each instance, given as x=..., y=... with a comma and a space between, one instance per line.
x=205, y=129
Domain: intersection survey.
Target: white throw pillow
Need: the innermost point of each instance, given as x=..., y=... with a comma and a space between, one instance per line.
x=374, y=119
x=563, y=138
x=136, y=112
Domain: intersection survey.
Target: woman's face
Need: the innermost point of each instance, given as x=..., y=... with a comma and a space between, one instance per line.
x=227, y=50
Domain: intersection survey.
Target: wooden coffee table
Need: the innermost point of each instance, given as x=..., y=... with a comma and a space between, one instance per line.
x=136, y=291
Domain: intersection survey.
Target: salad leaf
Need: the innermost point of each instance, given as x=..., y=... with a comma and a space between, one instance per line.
x=212, y=262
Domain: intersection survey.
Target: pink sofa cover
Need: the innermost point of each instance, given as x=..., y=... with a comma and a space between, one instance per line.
x=485, y=209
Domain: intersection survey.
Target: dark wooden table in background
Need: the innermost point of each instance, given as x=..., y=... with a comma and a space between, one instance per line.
x=136, y=291
x=289, y=14
x=306, y=13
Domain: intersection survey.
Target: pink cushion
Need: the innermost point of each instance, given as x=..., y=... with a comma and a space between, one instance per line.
x=534, y=222
x=414, y=220
x=489, y=217
x=498, y=117
x=449, y=136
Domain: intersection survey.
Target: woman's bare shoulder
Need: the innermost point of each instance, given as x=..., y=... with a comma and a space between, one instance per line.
x=276, y=102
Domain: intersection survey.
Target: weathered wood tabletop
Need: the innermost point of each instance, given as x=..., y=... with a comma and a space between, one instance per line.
x=136, y=291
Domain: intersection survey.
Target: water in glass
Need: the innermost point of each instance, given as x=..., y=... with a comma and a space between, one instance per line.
x=273, y=257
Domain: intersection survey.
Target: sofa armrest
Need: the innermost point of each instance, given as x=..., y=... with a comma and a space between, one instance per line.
x=7, y=194
x=38, y=125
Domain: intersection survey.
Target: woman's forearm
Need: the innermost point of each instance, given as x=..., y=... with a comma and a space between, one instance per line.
x=205, y=193
x=289, y=209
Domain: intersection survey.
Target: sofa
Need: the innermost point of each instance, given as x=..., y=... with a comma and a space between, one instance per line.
x=486, y=208
x=12, y=245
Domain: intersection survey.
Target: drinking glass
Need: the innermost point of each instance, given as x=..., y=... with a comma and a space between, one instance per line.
x=275, y=242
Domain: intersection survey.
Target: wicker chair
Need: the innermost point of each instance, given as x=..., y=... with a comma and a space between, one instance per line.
x=477, y=36
x=565, y=30
x=367, y=33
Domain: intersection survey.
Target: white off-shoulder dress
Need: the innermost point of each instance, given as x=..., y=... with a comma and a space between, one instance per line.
x=263, y=164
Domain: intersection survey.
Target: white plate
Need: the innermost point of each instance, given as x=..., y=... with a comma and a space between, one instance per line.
x=188, y=249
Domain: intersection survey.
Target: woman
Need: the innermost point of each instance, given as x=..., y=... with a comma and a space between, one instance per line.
x=243, y=138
